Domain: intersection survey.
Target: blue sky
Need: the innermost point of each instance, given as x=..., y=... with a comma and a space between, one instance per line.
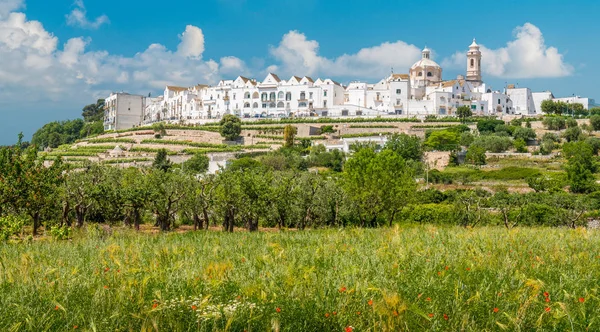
x=56, y=58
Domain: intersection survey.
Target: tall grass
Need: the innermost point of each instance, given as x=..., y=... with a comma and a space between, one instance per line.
x=406, y=278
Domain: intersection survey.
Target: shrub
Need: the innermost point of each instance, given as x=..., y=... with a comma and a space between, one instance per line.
x=547, y=146
x=61, y=232
x=572, y=134
x=466, y=139
x=488, y=125
x=554, y=123
x=476, y=155
x=551, y=136
x=570, y=122
x=524, y=133
x=435, y=176
x=430, y=213
x=494, y=143
x=595, y=121
x=231, y=127
x=327, y=129
x=10, y=225
x=443, y=140
x=520, y=145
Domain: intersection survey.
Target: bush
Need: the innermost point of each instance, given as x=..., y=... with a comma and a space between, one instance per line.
x=443, y=140
x=494, y=143
x=552, y=137
x=435, y=176
x=547, y=146
x=327, y=129
x=488, y=125
x=476, y=155
x=524, y=133
x=61, y=232
x=231, y=127
x=572, y=134
x=570, y=122
x=595, y=121
x=554, y=123
x=466, y=139
x=10, y=225
x=520, y=145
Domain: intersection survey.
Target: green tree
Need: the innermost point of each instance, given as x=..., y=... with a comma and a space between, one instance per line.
x=466, y=139
x=510, y=206
x=408, y=147
x=289, y=135
x=464, y=112
x=520, y=145
x=570, y=122
x=580, y=166
x=443, y=140
x=573, y=134
x=136, y=193
x=168, y=190
x=161, y=161
x=199, y=200
x=554, y=123
x=197, y=164
x=57, y=133
x=476, y=155
x=549, y=107
x=595, y=121
x=488, y=125
x=94, y=112
x=378, y=184
x=159, y=129
x=524, y=134
x=231, y=127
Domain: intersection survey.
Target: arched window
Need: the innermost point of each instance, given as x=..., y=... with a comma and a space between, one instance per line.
x=429, y=74
x=472, y=63
x=271, y=105
x=302, y=104
x=255, y=95
x=280, y=104
x=303, y=96
x=420, y=74
x=264, y=96
x=255, y=105
x=247, y=105
x=247, y=95
x=272, y=96
x=280, y=95
x=288, y=96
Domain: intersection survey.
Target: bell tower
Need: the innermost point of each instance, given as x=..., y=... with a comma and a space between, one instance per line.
x=474, y=64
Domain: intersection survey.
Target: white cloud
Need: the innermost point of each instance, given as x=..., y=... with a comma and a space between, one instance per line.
x=8, y=6
x=78, y=17
x=527, y=56
x=192, y=42
x=300, y=56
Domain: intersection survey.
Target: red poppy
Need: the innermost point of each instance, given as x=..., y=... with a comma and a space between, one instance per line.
x=105, y=287
x=278, y=309
x=446, y=268
x=468, y=269
x=154, y=305
x=581, y=300
x=349, y=328
x=439, y=273
x=370, y=302
x=546, y=294
x=327, y=315
x=419, y=296
x=342, y=289
x=547, y=299
x=445, y=317
x=358, y=313
x=75, y=327
x=106, y=269
x=499, y=294
x=430, y=315
x=547, y=309
x=395, y=313
x=243, y=260
x=194, y=307
x=428, y=299
x=496, y=309
x=56, y=307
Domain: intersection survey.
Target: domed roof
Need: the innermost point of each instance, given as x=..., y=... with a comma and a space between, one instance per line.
x=474, y=44
x=424, y=62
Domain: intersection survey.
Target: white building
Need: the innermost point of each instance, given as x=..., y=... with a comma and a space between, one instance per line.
x=538, y=98
x=586, y=102
x=522, y=100
x=123, y=111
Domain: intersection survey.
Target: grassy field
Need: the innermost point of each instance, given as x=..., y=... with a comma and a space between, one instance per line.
x=404, y=278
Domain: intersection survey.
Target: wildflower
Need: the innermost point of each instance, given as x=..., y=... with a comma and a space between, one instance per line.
x=358, y=313
x=547, y=299
x=546, y=294
x=106, y=269
x=194, y=307
x=419, y=296
x=105, y=287
x=342, y=289
x=56, y=307
x=496, y=310
x=499, y=294
x=326, y=315
x=75, y=327
x=581, y=300
x=349, y=328
x=243, y=260
x=445, y=316
x=439, y=273
x=395, y=313
x=278, y=309
x=370, y=302
x=446, y=268
x=468, y=269
x=428, y=299
x=547, y=309
x=335, y=313
x=154, y=305
x=431, y=315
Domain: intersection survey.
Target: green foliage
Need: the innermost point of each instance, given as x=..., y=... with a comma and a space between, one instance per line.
x=547, y=146
x=10, y=225
x=466, y=139
x=430, y=214
x=58, y=133
x=551, y=137
x=408, y=147
x=570, y=122
x=493, y=143
x=524, y=133
x=595, y=121
x=464, y=112
x=488, y=125
x=289, y=135
x=544, y=183
x=550, y=107
x=319, y=157
x=520, y=145
x=231, y=127
x=443, y=140
x=161, y=161
x=554, y=123
x=94, y=112
x=594, y=142
x=573, y=134
x=476, y=155
x=580, y=166
x=197, y=164
x=327, y=129
x=61, y=232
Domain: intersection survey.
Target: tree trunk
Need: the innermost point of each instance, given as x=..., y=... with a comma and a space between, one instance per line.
x=206, y=218
x=65, y=214
x=36, y=223
x=80, y=215
x=198, y=223
x=136, y=219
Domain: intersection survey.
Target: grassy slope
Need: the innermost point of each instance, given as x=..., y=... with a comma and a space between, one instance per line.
x=418, y=278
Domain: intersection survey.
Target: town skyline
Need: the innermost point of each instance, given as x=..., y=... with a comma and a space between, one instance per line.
x=60, y=60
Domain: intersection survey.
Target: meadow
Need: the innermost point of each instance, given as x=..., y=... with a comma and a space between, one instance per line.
x=389, y=279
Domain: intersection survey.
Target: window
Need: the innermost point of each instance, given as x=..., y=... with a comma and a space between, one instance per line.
x=264, y=105
x=247, y=95
x=498, y=100
x=302, y=104
x=272, y=96
x=287, y=105
x=264, y=96
x=247, y=105
x=325, y=93
x=325, y=104
x=429, y=74
x=398, y=91
x=398, y=102
x=310, y=95
x=280, y=104
x=280, y=95
x=420, y=74
x=472, y=63
x=271, y=105
x=255, y=105
x=255, y=95
x=474, y=107
x=302, y=96
x=234, y=96
x=288, y=96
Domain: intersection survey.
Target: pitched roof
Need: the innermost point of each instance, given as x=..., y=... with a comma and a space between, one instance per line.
x=275, y=77
x=448, y=84
x=401, y=76
x=309, y=79
x=244, y=79
x=176, y=88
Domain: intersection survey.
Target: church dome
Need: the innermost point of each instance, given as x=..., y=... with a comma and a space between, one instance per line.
x=425, y=60
x=474, y=44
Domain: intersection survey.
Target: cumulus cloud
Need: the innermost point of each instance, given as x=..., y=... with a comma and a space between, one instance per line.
x=300, y=56
x=78, y=17
x=8, y=6
x=527, y=56
x=192, y=42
